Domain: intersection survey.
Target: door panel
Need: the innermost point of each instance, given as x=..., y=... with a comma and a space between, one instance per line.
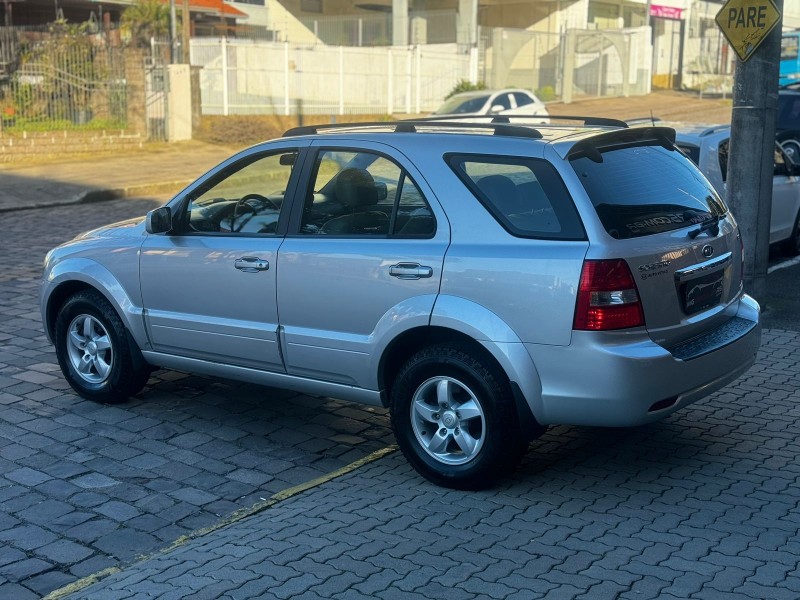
x=199, y=304
x=209, y=289
x=785, y=193
x=348, y=270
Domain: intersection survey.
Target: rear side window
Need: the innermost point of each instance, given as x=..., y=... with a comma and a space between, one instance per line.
x=643, y=190
x=692, y=151
x=526, y=196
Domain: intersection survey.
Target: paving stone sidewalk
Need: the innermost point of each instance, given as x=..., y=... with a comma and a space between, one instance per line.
x=703, y=505
x=156, y=169
x=85, y=486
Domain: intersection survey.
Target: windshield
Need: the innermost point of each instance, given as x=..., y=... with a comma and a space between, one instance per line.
x=460, y=105
x=643, y=190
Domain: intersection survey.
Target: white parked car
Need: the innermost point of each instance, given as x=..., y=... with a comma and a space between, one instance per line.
x=491, y=102
x=707, y=147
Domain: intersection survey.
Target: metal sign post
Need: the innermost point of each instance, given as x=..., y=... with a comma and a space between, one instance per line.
x=751, y=26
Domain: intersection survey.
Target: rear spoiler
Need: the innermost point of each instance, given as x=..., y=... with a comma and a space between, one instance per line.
x=593, y=147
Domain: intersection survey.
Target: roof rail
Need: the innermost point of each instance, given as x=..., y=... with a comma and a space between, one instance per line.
x=411, y=125
x=714, y=129
x=592, y=121
x=588, y=121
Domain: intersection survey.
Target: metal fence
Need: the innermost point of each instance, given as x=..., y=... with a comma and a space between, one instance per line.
x=61, y=79
x=254, y=77
x=609, y=62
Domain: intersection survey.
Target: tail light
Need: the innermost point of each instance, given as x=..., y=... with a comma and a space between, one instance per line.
x=607, y=297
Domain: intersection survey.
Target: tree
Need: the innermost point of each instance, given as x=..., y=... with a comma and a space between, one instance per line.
x=145, y=19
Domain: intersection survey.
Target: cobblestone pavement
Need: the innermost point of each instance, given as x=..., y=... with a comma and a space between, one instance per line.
x=703, y=505
x=84, y=486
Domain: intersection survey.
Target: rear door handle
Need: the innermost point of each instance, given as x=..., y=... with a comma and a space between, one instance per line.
x=407, y=270
x=251, y=264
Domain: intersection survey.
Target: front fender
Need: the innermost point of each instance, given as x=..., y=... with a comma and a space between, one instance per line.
x=127, y=303
x=497, y=337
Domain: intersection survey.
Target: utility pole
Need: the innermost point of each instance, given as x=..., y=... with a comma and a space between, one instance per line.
x=186, y=33
x=752, y=145
x=173, y=33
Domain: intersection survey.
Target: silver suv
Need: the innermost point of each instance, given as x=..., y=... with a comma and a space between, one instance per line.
x=482, y=280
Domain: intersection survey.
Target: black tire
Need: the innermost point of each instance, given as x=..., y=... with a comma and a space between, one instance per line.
x=112, y=374
x=502, y=444
x=792, y=245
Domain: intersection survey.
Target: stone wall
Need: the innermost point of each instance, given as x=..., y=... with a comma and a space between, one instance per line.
x=28, y=145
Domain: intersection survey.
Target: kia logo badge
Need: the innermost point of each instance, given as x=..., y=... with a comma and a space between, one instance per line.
x=707, y=251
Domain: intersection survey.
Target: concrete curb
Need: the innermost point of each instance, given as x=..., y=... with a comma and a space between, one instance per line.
x=104, y=195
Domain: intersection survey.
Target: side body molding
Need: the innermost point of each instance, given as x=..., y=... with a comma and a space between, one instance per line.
x=497, y=337
x=127, y=303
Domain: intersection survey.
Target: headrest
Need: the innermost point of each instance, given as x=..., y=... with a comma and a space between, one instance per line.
x=503, y=194
x=356, y=187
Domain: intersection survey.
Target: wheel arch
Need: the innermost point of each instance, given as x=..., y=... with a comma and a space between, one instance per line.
x=512, y=360
x=65, y=280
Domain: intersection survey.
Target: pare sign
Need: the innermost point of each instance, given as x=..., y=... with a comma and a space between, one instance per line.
x=745, y=24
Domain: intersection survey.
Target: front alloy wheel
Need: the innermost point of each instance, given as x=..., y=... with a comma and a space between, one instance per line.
x=96, y=353
x=448, y=420
x=90, y=350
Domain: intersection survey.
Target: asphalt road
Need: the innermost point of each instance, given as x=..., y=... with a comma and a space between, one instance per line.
x=703, y=505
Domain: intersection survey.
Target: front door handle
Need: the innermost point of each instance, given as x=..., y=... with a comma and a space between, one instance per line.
x=251, y=264
x=407, y=270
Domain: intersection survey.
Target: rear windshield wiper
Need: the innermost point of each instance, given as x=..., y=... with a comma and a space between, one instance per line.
x=711, y=225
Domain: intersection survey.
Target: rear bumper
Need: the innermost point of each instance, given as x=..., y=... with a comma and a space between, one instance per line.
x=614, y=379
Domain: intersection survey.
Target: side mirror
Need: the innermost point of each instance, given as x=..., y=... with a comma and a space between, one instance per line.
x=159, y=220
x=497, y=108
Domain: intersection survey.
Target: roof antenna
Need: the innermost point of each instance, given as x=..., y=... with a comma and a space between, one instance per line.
x=652, y=118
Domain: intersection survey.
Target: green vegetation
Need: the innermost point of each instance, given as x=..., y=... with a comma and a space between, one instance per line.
x=546, y=94
x=145, y=19
x=465, y=86
x=18, y=125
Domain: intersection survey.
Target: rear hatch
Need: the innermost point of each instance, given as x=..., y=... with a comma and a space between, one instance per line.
x=666, y=221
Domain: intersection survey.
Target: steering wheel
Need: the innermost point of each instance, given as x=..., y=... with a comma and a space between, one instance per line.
x=245, y=202
x=252, y=204
x=792, y=149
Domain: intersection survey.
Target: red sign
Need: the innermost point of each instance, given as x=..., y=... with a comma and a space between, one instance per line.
x=666, y=12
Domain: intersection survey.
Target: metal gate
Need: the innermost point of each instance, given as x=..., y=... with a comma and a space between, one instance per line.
x=156, y=85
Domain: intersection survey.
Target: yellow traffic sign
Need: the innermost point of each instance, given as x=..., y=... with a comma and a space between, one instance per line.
x=745, y=24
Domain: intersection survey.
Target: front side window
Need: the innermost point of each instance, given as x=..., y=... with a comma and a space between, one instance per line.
x=723, y=152
x=526, y=196
x=460, y=105
x=245, y=199
x=364, y=194
x=503, y=101
x=646, y=189
x=522, y=99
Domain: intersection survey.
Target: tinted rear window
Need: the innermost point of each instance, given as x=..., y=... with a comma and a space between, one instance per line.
x=690, y=150
x=788, y=110
x=526, y=196
x=643, y=190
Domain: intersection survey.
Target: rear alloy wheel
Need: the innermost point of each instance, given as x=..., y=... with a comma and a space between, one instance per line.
x=95, y=352
x=792, y=245
x=454, y=418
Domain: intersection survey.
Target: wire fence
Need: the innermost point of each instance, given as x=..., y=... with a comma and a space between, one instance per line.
x=61, y=78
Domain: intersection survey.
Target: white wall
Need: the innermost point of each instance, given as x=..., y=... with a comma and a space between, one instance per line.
x=254, y=77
